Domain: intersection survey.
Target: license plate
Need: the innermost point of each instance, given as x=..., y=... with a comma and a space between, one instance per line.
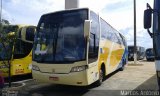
x=54, y=78
x=19, y=71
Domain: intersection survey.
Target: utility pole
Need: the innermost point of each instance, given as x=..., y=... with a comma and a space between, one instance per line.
x=1, y=13
x=135, y=46
x=69, y=4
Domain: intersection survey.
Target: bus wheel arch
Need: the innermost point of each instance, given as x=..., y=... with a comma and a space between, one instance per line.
x=101, y=75
x=103, y=69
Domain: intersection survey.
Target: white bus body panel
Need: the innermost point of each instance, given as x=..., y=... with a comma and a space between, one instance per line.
x=82, y=78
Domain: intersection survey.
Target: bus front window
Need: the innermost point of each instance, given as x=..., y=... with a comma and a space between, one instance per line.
x=131, y=49
x=60, y=37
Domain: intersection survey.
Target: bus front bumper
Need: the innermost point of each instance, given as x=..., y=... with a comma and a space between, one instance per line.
x=74, y=78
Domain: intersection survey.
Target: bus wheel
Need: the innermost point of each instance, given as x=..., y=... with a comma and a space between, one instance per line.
x=101, y=77
x=158, y=80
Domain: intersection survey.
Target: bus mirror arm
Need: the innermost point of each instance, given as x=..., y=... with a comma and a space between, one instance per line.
x=148, y=18
x=149, y=32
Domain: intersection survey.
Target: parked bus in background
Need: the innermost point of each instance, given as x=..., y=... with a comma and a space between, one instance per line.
x=149, y=54
x=155, y=34
x=76, y=47
x=19, y=51
x=140, y=53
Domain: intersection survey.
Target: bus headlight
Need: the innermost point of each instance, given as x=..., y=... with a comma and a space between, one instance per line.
x=79, y=68
x=30, y=66
x=36, y=68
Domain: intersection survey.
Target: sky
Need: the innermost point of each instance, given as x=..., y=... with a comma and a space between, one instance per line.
x=118, y=13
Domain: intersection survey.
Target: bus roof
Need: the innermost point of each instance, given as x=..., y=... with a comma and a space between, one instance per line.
x=65, y=10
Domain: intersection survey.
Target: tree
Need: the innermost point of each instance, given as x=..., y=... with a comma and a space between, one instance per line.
x=5, y=22
x=5, y=40
x=2, y=23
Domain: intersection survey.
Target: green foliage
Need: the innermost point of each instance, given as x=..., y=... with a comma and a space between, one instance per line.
x=6, y=41
x=5, y=22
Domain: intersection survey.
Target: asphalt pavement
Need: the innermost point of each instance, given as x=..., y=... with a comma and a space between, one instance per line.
x=136, y=79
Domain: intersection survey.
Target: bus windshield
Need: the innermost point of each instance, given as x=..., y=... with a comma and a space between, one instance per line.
x=156, y=29
x=149, y=52
x=131, y=49
x=60, y=37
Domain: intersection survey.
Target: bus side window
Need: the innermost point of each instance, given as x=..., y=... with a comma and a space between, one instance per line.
x=92, y=46
x=94, y=38
x=120, y=40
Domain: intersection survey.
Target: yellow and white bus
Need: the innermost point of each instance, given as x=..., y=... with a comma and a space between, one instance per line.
x=76, y=47
x=19, y=51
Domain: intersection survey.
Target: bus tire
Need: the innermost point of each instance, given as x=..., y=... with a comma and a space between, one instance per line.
x=158, y=80
x=101, y=77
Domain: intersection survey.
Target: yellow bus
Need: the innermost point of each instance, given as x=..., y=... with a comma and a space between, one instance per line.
x=18, y=51
x=76, y=47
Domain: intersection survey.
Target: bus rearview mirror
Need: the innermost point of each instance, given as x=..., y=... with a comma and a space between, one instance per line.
x=147, y=18
x=87, y=27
